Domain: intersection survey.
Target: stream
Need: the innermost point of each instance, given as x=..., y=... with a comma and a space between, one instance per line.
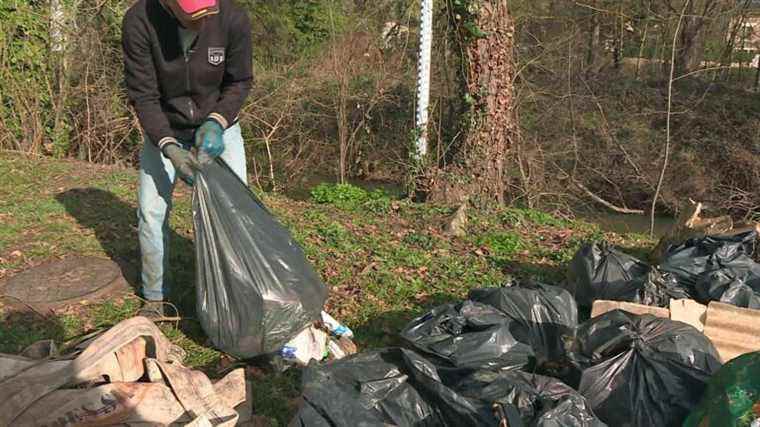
x=621, y=223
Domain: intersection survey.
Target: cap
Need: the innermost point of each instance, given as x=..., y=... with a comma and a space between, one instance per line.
x=197, y=9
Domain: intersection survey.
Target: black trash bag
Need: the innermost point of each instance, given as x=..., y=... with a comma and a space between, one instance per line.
x=399, y=387
x=735, y=285
x=719, y=268
x=377, y=388
x=687, y=261
x=468, y=335
x=256, y=289
x=601, y=272
x=659, y=288
x=541, y=401
x=642, y=370
x=544, y=316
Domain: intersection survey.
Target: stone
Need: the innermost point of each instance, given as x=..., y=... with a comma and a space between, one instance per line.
x=456, y=225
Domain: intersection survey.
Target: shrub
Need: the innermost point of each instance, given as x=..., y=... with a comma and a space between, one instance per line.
x=350, y=197
x=502, y=245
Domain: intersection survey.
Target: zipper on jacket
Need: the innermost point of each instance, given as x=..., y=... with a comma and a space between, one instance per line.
x=187, y=85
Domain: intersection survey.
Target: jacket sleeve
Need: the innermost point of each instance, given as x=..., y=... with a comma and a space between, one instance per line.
x=238, y=72
x=142, y=82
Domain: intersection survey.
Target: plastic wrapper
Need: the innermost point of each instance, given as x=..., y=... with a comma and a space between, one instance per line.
x=543, y=316
x=468, y=335
x=732, y=398
x=310, y=344
x=399, y=387
x=641, y=370
x=601, y=272
x=256, y=289
x=336, y=328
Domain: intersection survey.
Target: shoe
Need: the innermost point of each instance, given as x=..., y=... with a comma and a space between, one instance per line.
x=152, y=310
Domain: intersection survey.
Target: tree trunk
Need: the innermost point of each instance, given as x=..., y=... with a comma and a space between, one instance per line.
x=593, y=40
x=477, y=172
x=692, y=35
x=689, y=54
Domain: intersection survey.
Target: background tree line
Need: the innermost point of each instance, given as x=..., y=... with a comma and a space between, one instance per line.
x=335, y=94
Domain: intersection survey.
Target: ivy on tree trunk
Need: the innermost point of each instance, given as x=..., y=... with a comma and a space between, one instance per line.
x=485, y=31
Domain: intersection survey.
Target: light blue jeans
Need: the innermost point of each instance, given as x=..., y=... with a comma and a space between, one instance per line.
x=156, y=185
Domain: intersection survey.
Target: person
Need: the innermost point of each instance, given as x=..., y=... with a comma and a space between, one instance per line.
x=188, y=70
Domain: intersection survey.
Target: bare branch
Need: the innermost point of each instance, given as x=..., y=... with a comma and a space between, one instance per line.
x=607, y=204
x=668, y=121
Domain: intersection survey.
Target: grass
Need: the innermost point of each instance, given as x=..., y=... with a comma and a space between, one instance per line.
x=385, y=261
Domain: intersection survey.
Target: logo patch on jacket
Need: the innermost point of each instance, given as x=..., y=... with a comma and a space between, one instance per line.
x=215, y=55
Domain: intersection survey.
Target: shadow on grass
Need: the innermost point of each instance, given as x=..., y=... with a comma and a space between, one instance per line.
x=21, y=328
x=112, y=220
x=544, y=273
x=114, y=223
x=384, y=328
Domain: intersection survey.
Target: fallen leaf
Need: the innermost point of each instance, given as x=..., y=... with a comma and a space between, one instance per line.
x=370, y=266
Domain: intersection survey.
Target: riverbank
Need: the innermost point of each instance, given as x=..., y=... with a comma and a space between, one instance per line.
x=384, y=260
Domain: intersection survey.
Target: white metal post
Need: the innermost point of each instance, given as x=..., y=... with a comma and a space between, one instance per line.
x=57, y=26
x=423, y=77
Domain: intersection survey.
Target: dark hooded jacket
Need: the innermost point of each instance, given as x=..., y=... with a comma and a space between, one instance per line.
x=173, y=92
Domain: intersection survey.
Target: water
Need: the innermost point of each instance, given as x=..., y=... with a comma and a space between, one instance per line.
x=622, y=224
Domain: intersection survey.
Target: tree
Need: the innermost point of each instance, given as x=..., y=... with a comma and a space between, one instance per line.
x=691, y=40
x=484, y=30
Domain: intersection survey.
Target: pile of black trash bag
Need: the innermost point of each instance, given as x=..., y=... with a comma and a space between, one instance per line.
x=399, y=387
x=516, y=326
x=494, y=359
x=718, y=268
x=513, y=355
x=710, y=268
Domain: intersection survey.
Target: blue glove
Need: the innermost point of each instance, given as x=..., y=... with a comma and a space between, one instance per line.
x=209, y=138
